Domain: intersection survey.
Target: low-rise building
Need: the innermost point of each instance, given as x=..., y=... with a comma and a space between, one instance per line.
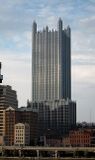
x=52, y=138
x=78, y=138
x=66, y=142
x=22, y=134
x=9, y=117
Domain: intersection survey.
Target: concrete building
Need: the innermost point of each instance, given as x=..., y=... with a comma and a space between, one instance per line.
x=51, y=63
x=22, y=134
x=8, y=97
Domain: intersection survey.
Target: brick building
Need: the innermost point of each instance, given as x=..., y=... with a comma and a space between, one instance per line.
x=8, y=97
x=81, y=138
x=9, y=117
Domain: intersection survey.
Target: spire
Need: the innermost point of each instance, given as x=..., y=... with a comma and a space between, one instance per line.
x=34, y=27
x=46, y=28
x=60, y=24
x=68, y=31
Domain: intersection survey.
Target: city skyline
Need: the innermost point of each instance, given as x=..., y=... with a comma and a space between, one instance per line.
x=15, y=46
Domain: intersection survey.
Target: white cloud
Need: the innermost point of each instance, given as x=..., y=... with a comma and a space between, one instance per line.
x=83, y=90
x=88, y=24
x=17, y=73
x=84, y=59
x=84, y=74
x=82, y=41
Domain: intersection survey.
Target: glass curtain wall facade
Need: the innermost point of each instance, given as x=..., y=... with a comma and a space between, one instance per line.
x=51, y=63
x=57, y=115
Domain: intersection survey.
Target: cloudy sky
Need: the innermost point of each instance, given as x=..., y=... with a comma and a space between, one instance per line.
x=16, y=17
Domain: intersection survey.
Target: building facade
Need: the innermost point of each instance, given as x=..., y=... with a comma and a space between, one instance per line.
x=7, y=122
x=11, y=118
x=8, y=97
x=30, y=117
x=58, y=115
x=22, y=134
x=51, y=63
x=80, y=138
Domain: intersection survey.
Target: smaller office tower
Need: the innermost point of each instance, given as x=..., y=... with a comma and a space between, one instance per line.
x=1, y=76
x=8, y=97
x=22, y=134
x=10, y=120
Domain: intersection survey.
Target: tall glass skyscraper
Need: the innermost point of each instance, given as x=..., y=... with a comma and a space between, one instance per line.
x=51, y=79
x=51, y=63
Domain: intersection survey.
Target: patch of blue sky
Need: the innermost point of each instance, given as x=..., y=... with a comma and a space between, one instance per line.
x=12, y=46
